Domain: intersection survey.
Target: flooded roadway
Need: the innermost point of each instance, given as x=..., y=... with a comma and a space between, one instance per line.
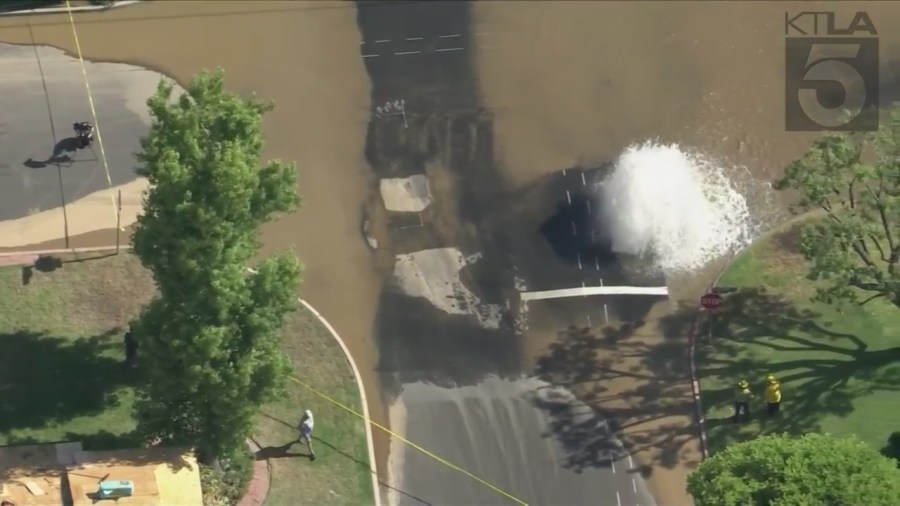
x=555, y=86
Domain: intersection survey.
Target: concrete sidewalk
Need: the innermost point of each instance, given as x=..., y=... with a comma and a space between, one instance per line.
x=65, y=9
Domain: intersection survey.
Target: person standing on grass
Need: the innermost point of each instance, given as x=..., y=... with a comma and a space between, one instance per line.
x=306, y=427
x=742, y=396
x=773, y=395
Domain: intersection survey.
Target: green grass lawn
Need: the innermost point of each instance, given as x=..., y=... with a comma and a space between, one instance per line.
x=340, y=474
x=61, y=377
x=839, y=367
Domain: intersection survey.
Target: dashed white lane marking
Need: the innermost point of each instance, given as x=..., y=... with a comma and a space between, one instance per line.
x=569, y=197
x=589, y=321
x=634, y=485
x=583, y=182
x=630, y=462
x=370, y=56
x=449, y=49
x=446, y=36
x=597, y=263
x=578, y=256
x=401, y=53
x=618, y=499
x=589, y=206
x=612, y=464
x=564, y=172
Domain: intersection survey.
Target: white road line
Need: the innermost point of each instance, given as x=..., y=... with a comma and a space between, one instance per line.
x=583, y=182
x=612, y=464
x=634, y=485
x=564, y=172
x=589, y=321
x=451, y=36
x=596, y=263
x=589, y=206
x=569, y=197
x=584, y=291
x=578, y=256
x=630, y=462
x=618, y=499
x=415, y=38
x=449, y=49
x=605, y=308
x=370, y=55
x=382, y=41
x=401, y=53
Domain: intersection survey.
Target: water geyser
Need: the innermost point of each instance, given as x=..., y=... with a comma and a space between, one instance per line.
x=672, y=207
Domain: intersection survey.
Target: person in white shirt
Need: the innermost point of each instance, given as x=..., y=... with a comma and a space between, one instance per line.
x=306, y=427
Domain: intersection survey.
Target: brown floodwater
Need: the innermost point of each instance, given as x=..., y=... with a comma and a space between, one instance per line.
x=568, y=83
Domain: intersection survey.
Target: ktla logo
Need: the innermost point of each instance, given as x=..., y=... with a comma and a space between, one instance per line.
x=831, y=73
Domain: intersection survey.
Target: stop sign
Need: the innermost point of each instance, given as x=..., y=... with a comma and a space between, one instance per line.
x=711, y=301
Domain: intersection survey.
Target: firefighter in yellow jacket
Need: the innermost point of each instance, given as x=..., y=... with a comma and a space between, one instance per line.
x=742, y=396
x=773, y=395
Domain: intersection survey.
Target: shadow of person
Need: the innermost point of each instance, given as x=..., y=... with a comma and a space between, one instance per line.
x=67, y=145
x=55, y=160
x=277, y=452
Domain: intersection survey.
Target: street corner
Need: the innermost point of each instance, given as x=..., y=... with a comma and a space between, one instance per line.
x=43, y=165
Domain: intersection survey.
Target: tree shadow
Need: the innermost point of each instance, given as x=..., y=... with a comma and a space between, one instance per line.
x=627, y=379
x=822, y=371
x=48, y=380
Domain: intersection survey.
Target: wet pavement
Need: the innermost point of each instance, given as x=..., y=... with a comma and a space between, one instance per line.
x=457, y=388
x=42, y=168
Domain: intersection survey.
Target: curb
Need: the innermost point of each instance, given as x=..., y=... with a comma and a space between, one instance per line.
x=695, y=388
x=64, y=10
x=362, y=397
x=261, y=474
x=93, y=249
x=695, y=381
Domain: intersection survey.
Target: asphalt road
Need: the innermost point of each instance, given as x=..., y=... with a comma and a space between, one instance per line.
x=44, y=92
x=459, y=389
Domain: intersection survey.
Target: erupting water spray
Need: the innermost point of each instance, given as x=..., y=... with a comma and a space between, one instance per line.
x=675, y=208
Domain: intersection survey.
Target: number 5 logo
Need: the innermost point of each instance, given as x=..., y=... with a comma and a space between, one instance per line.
x=843, y=71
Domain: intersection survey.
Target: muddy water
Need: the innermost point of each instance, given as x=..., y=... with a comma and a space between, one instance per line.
x=573, y=83
x=566, y=83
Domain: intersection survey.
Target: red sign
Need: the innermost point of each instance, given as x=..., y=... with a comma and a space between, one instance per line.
x=711, y=301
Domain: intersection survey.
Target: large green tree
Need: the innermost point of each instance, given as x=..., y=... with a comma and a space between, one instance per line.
x=855, y=181
x=208, y=344
x=781, y=470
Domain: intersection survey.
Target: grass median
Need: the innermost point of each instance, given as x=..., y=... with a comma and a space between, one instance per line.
x=62, y=377
x=839, y=366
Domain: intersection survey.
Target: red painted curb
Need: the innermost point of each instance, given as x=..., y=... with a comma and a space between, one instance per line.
x=695, y=387
x=258, y=488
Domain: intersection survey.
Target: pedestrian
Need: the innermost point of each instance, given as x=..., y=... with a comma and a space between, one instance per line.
x=773, y=395
x=130, y=349
x=306, y=428
x=742, y=396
